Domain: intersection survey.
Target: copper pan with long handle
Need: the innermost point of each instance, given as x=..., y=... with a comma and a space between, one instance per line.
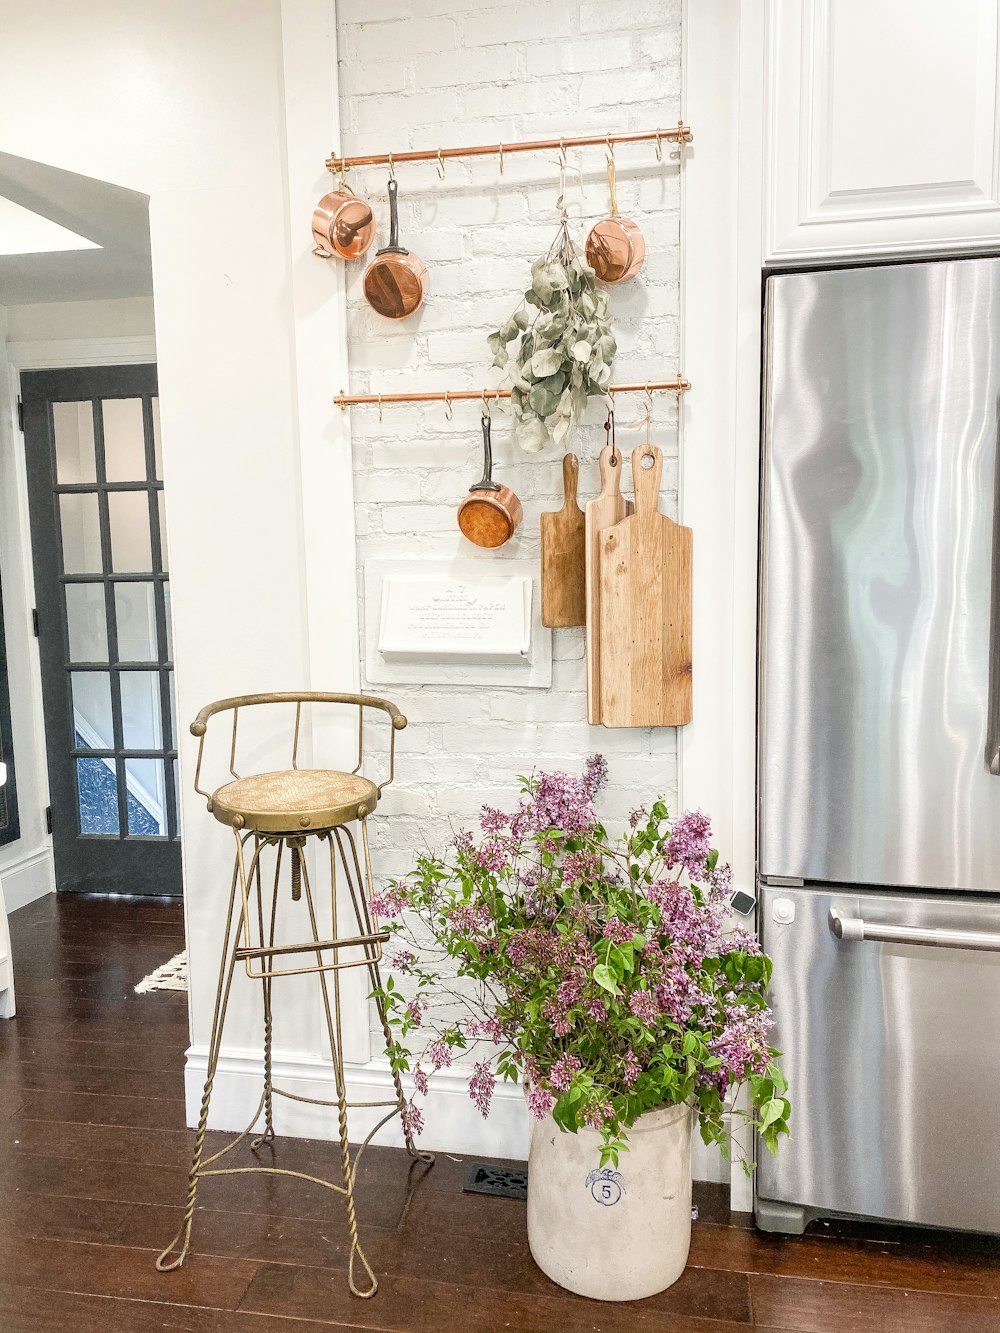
x=396, y=279
x=489, y=515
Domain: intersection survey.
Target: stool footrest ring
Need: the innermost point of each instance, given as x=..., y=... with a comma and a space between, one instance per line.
x=313, y=946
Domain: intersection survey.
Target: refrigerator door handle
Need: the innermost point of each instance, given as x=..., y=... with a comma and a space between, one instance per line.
x=855, y=928
x=993, y=687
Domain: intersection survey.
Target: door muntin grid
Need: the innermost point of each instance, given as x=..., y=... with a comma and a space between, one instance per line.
x=115, y=614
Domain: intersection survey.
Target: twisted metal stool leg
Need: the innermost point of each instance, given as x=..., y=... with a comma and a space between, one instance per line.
x=180, y=1244
x=266, y=982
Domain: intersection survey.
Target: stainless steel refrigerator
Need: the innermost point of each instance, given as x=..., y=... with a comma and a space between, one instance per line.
x=879, y=740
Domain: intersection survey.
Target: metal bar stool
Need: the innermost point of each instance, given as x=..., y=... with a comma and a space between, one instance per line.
x=274, y=816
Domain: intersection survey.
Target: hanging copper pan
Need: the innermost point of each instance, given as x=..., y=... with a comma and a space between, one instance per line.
x=343, y=225
x=489, y=515
x=395, y=280
x=615, y=247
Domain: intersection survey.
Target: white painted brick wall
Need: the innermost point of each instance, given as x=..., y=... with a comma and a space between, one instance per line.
x=429, y=73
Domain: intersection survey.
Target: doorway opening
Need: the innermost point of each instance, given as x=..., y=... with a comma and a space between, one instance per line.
x=93, y=725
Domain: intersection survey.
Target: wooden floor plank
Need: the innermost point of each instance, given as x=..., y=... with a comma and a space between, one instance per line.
x=108, y=1270
x=412, y=1305
x=810, y=1306
x=27, y=1310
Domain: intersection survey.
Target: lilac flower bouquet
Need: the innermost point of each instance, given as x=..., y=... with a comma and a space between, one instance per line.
x=602, y=972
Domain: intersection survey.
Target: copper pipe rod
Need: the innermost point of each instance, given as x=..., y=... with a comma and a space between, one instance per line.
x=345, y=400
x=681, y=133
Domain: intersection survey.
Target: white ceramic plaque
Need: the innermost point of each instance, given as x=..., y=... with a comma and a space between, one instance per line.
x=445, y=618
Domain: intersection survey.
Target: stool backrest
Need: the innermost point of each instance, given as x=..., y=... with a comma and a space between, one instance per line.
x=360, y=701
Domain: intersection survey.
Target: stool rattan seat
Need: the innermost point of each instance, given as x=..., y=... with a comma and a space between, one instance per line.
x=293, y=800
x=292, y=831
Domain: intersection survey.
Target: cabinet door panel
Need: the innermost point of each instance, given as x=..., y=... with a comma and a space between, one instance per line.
x=882, y=128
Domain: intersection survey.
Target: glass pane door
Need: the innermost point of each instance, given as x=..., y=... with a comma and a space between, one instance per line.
x=93, y=448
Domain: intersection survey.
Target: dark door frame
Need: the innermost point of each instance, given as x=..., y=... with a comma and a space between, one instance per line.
x=121, y=862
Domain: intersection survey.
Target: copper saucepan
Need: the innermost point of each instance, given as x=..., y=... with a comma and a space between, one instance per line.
x=343, y=225
x=615, y=247
x=396, y=279
x=490, y=513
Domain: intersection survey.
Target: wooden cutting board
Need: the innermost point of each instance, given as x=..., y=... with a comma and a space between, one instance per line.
x=645, y=612
x=609, y=507
x=562, y=555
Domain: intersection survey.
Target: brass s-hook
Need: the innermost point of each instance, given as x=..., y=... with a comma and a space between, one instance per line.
x=609, y=430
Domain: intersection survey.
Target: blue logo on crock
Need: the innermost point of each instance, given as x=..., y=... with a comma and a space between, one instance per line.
x=606, y=1186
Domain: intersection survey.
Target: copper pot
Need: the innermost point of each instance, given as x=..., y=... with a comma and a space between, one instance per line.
x=343, y=225
x=489, y=515
x=395, y=280
x=616, y=248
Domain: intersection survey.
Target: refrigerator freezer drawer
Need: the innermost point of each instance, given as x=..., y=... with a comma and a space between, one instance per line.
x=889, y=1041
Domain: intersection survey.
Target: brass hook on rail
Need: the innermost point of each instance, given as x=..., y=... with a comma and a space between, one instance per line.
x=392, y=168
x=440, y=166
x=501, y=160
x=448, y=408
x=659, y=147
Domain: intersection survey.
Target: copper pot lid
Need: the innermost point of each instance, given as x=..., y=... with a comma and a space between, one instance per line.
x=616, y=248
x=343, y=224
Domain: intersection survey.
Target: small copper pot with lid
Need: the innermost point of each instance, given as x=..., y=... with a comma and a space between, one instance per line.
x=396, y=279
x=490, y=514
x=343, y=225
x=616, y=248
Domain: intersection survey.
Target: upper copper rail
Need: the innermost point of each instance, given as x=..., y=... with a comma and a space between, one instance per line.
x=345, y=400
x=680, y=134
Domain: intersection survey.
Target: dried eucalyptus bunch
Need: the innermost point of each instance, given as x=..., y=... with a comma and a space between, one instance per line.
x=565, y=351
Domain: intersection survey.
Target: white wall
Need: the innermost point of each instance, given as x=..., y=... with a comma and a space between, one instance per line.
x=123, y=318
x=426, y=74
x=422, y=74
x=26, y=864
x=204, y=112
x=187, y=103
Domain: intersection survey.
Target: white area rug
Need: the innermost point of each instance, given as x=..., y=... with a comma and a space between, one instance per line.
x=171, y=976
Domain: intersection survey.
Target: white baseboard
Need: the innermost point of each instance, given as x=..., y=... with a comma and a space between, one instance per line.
x=452, y=1123
x=28, y=879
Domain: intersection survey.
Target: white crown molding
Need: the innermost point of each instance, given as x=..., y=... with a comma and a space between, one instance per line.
x=52, y=353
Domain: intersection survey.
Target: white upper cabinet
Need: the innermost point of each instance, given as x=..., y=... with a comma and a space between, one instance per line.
x=882, y=128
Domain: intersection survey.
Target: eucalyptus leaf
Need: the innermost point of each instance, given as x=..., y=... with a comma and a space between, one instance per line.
x=565, y=348
x=546, y=362
x=531, y=435
x=541, y=400
x=542, y=288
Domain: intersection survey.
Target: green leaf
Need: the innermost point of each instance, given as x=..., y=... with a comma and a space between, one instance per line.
x=772, y=1111
x=602, y=975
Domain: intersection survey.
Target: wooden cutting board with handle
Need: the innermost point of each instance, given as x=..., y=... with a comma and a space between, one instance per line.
x=609, y=507
x=562, y=555
x=645, y=612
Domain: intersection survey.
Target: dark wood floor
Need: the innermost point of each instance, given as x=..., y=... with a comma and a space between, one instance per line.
x=93, y=1156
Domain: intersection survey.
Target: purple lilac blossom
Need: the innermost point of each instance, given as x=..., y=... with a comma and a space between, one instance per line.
x=481, y=1086
x=413, y=1119
x=540, y=1101
x=689, y=842
x=389, y=901
x=561, y=1074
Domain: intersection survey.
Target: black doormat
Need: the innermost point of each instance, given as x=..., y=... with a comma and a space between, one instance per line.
x=502, y=1180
